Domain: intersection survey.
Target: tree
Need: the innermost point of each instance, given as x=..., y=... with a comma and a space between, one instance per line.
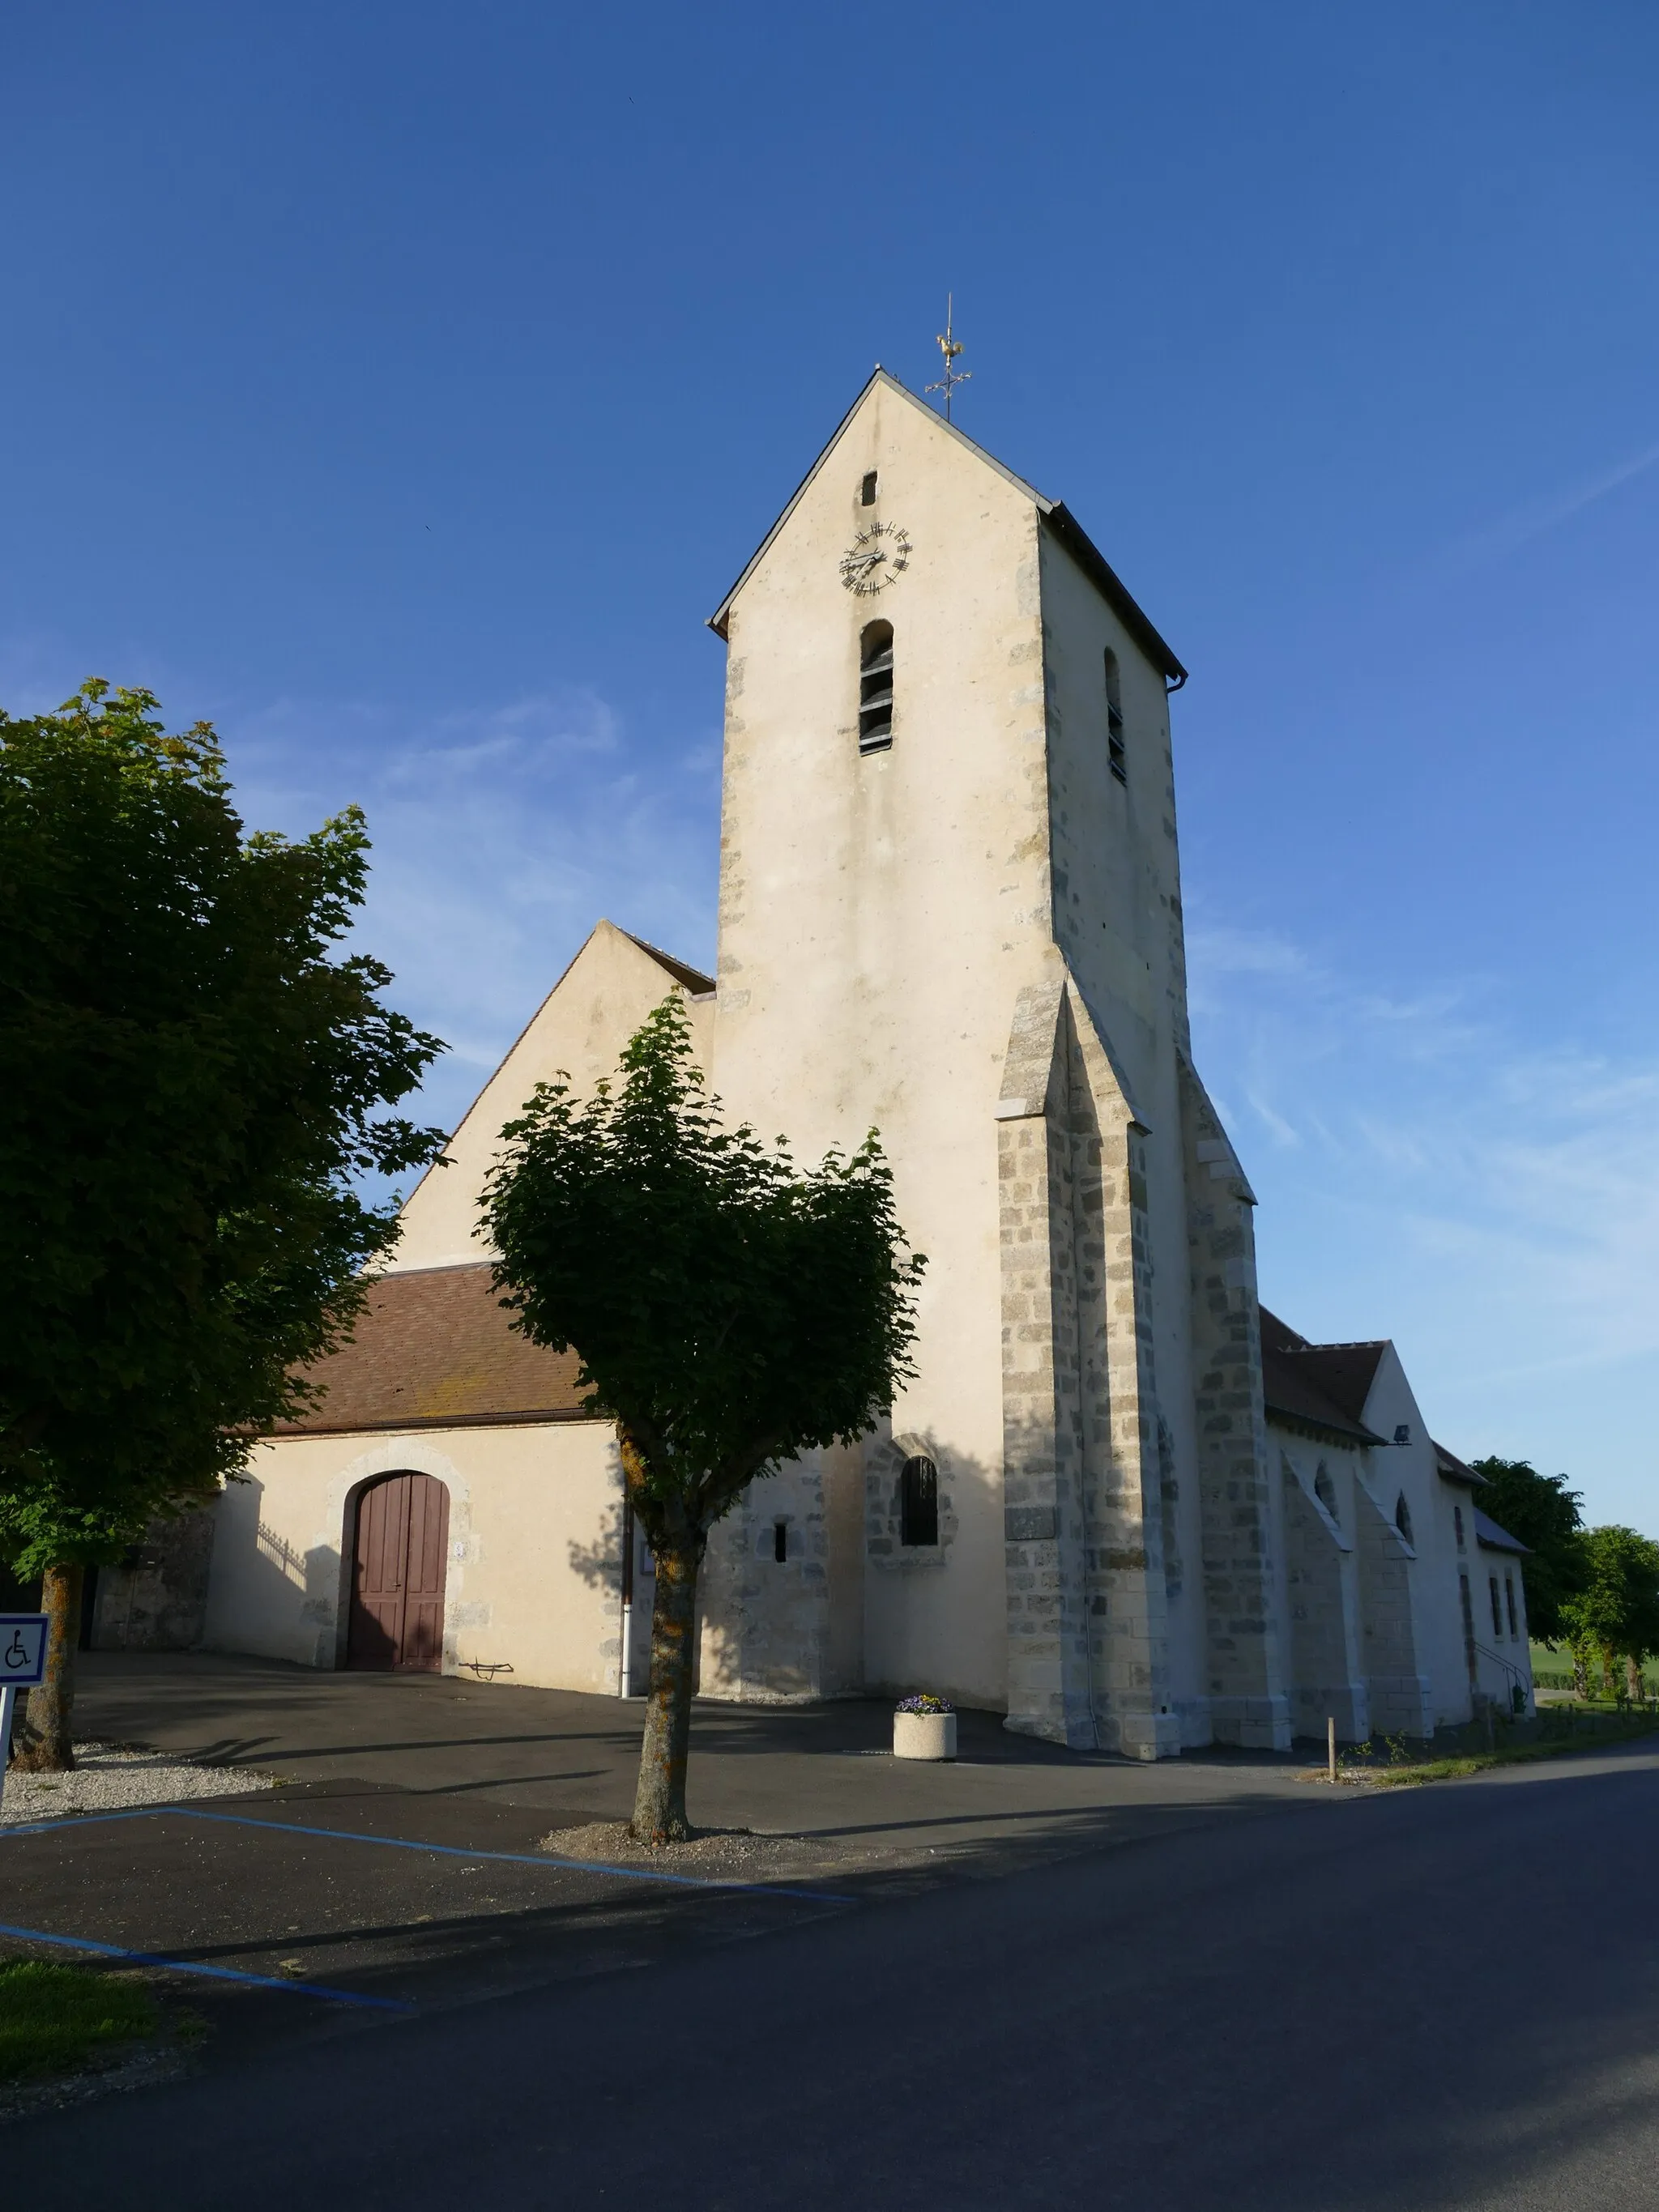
x=193, y=1077
x=1616, y=1612
x=1543, y=1514
x=728, y=1312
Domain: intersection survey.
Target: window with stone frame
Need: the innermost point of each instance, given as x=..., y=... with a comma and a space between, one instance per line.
x=1325, y=1490
x=919, y=1502
x=1402, y=1518
x=1497, y=1606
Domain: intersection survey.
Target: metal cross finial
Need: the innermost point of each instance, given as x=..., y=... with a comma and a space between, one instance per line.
x=949, y=346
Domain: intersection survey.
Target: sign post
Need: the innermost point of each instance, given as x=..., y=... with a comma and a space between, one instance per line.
x=23, y=1665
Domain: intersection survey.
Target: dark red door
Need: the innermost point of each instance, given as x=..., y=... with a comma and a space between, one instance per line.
x=397, y=1575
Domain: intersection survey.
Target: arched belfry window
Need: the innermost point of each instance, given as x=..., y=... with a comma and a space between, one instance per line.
x=1325, y=1492
x=1402, y=1518
x=876, y=687
x=919, y=1502
x=1116, y=752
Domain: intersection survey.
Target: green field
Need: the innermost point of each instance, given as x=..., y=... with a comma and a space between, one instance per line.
x=1552, y=1670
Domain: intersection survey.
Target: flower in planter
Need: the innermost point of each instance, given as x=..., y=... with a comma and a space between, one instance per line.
x=924, y=1702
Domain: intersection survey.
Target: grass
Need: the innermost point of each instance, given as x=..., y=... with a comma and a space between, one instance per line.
x=55, y=2019
x=1559, y=1743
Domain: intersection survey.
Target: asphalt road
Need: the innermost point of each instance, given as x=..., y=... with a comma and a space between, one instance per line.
x=1441, y=1997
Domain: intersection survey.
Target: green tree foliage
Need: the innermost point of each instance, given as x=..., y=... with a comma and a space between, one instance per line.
x=193, y=1079
x=729, y=1312
x=1614, y=1615
x=1543, y=1514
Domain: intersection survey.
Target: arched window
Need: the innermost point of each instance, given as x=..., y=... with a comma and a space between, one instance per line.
x=876, y=688
x=1325, y=1490
x=919, y=1502
x=1402, y=1518
x=1116, y=752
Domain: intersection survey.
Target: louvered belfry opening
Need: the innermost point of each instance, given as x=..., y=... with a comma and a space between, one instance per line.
x=876, y=688
x=1116, y=751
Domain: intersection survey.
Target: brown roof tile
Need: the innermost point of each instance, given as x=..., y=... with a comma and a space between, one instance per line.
x=435, y=1350
x=1317, y=1386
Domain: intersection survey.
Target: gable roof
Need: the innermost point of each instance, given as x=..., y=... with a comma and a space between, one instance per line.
x=1492, y=1538
x=695, y=981
x=435, y=1350
x=1451, y=1468
x=1057, y=518
x=1321, y=1387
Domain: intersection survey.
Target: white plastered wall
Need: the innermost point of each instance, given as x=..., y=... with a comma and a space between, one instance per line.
x=579, y=1028
x=533, y=1573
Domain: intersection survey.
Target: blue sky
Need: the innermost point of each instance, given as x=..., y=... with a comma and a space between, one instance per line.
x=401, y=386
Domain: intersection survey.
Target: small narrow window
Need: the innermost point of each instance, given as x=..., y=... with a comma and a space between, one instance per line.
x=1402, y=1434
x=919, y=1503
x=1457, y=1523
x=867, y=490
x=780, y=1541
x=1116, y=752
x=1325, y=1492
x=1509, y=1596
x=1402, y=1518
x=876, y=688
x=1497, y=1609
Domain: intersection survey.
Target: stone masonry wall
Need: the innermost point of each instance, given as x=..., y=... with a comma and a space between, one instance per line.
x=1244, y=1662
x=1400, y=1697
x=1088, y=1660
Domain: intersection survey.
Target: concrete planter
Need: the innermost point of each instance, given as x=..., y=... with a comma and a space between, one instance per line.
x=924, y=1735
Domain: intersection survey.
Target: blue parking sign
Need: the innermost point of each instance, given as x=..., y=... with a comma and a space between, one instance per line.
x=22, y=1650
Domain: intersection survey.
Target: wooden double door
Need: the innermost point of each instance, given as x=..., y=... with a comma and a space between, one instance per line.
x=399, y=1549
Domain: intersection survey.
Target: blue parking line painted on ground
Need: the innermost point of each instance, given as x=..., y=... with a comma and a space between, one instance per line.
x=516, y=1858
x=82, y=1820
x=213, y=1973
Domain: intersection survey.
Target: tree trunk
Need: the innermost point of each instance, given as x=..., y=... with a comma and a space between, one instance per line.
x=44, y=1744
x=1634, y=1685
x=659, y=1800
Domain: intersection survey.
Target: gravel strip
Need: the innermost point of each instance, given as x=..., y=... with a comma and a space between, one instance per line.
x=110, y=1778
x=734, y=1854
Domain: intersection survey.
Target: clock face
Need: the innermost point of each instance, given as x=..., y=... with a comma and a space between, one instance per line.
x=875, y=557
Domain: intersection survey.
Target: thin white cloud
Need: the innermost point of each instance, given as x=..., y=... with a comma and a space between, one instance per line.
x=1536, y=518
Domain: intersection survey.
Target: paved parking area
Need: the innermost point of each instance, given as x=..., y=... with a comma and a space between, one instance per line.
x=397, y=1863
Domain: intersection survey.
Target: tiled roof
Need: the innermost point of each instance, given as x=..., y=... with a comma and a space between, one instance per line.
x=1492, y=1538
x=435, y=1350
x=1321, y=1386
x=695, y=981
x=1451, y=1468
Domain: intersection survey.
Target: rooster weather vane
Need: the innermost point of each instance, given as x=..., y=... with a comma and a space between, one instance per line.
x=949, y=346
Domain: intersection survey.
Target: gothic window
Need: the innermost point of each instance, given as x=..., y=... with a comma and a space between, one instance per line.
x=1508, y=1597
x=919, y=1502
x=1497, y=1608
x=1402, y=1518
x=876, y=688
x=1325, y=1490
x=1116, y=752
x=867, y=490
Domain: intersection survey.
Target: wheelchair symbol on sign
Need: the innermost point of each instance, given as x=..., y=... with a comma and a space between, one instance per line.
x=17, y=1654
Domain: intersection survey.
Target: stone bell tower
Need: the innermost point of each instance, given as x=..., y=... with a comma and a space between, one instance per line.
x=951, y=909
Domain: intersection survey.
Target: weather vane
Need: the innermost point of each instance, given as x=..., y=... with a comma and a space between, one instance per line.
x=949, y=346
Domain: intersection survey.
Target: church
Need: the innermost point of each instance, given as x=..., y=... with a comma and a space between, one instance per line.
x=1120, y=1503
